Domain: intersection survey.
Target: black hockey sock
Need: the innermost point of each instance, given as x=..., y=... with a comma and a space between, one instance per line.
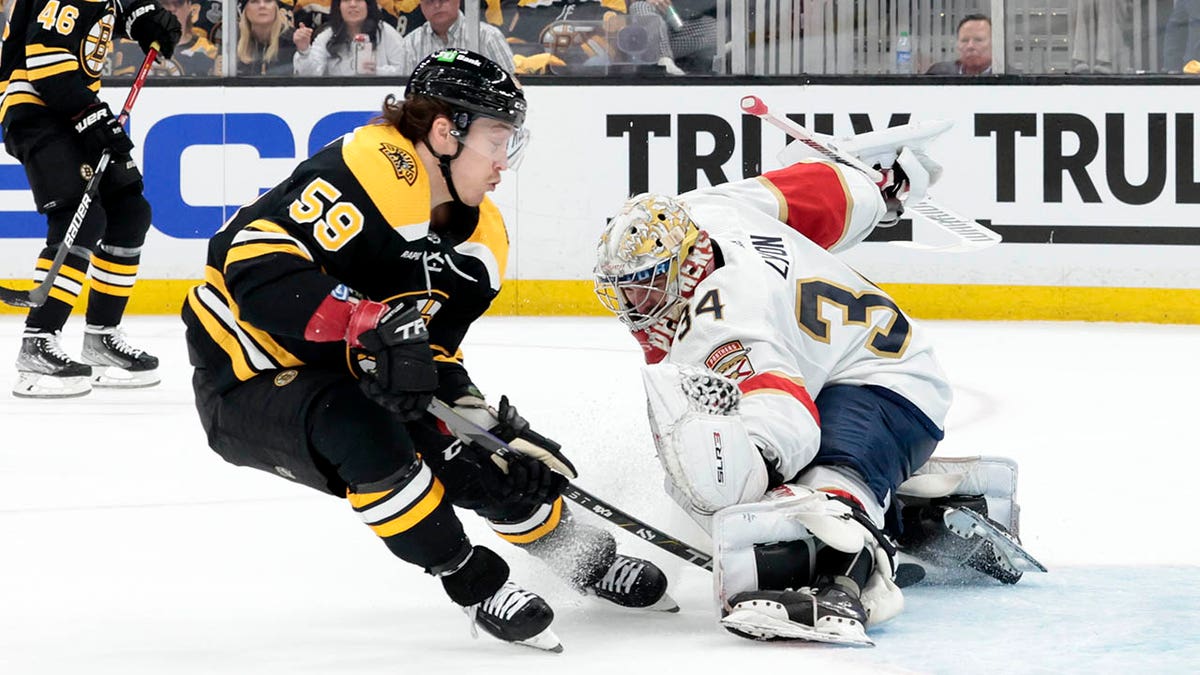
x=114, y=271
x=52, y=315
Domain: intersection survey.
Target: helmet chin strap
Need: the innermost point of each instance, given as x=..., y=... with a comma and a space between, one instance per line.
x=444, y=165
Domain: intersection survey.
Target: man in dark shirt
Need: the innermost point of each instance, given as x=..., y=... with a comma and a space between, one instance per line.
x=974, y=49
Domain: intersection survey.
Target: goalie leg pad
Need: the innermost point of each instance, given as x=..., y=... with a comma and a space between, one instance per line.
x=702, y=444
x=807, y=522
x=993, y=478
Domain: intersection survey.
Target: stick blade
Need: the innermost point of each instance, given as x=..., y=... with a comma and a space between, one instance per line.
x=960, y=234
x=17, y=298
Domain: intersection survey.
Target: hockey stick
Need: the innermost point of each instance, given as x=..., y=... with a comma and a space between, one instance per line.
x=461, y=426
x=37, y=295
x=907, y=574
x=967, y=235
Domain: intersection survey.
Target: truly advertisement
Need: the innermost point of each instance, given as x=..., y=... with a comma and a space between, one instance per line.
x=1104, y=197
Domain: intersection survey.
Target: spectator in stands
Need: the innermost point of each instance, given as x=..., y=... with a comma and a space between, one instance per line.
x=355, y=41
x=445, y=28
x=404, y=15
x=1181, y=43
x=690, y=44
x=208, y=20
x=194, y=55
x=1101, y=32
x=974, y=49
x=264, y=45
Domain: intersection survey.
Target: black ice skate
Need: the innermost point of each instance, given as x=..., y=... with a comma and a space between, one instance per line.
x=587, y=558
x=832, y=613
x=955, y=532
x=44, y=370
x=513, y=614
x=635, y=583
x=114, y=362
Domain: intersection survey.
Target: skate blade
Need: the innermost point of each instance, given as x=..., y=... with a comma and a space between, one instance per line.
x=545, y=641
x=665, y=604
x=112, y=377
x=966, y=523
x=761, y=626
x=35, y=385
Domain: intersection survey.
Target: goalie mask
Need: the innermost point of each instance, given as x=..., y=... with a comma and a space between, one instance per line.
x=637, y=274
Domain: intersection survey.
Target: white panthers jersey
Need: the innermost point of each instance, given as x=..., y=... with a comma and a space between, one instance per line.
x=785, y=318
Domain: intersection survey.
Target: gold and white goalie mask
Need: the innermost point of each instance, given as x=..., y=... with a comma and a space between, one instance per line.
x=639, y=258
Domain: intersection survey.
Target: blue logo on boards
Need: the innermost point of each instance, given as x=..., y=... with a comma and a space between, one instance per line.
x=162, y=150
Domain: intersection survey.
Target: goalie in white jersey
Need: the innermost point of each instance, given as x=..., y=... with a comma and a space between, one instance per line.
x=777, y=370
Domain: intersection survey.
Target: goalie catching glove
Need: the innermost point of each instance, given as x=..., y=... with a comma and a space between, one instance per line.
x=509, y=426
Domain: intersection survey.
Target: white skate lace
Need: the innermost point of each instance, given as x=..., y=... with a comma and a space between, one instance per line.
x=621, y=576
x=116, y=342
x=51, y=346
x=506, y=602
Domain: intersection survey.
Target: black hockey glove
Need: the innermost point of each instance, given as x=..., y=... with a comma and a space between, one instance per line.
x=146, y=23
x=521, y=486
x=475, y=479
x=99, y=130
x=397, y=364
x=512, y=427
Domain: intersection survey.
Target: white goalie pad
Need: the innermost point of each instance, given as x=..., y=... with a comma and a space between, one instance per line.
x=802, y=514
x=995, y=478
x=701, y=442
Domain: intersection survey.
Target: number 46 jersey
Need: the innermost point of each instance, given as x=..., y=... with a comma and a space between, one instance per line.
x=785, y=318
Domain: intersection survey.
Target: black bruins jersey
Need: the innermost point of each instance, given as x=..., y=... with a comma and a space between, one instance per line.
x=355, y=214
x=53, y=55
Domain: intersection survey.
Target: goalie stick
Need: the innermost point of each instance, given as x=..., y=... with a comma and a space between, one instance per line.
x=464, y=427
x=965, y=234
x=37, y=295
x=907, y=574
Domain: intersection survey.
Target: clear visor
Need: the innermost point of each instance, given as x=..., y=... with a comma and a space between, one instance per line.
x=640, y=298
x=499, y=142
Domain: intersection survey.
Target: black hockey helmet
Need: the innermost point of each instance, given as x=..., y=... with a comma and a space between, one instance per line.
x=472, y=84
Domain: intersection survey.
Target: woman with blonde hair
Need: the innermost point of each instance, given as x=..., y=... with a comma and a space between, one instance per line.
x=264, y=44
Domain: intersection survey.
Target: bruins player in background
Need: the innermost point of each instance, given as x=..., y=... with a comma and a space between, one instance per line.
x=313, y=357
x=57, y=127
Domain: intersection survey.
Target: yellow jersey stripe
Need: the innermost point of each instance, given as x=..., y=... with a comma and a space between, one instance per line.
x=109, y=289
x=409, y=519
x=226, y=340
x=360, y=500
x=63, y=296
x=262, y=339
x=50, y=71
x=249, y=251
x=78, y=276
x=35, y=49
x=112, y=267
x=540, y=531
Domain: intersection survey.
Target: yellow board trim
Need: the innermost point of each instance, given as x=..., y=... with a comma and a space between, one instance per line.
x=414, y=515
x=972, y=302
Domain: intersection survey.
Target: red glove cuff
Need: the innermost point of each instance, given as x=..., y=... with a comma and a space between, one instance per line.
x=343, y=320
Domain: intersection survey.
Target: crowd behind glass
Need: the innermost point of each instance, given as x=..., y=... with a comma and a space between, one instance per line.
x=318, y=38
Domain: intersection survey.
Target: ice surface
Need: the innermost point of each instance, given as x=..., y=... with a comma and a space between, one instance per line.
x=126, y=546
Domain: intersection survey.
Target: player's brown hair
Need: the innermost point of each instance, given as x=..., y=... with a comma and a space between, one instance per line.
x=413, y=117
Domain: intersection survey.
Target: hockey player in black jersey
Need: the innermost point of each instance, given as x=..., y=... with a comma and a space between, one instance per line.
x=57, y=127
x=312, y=352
